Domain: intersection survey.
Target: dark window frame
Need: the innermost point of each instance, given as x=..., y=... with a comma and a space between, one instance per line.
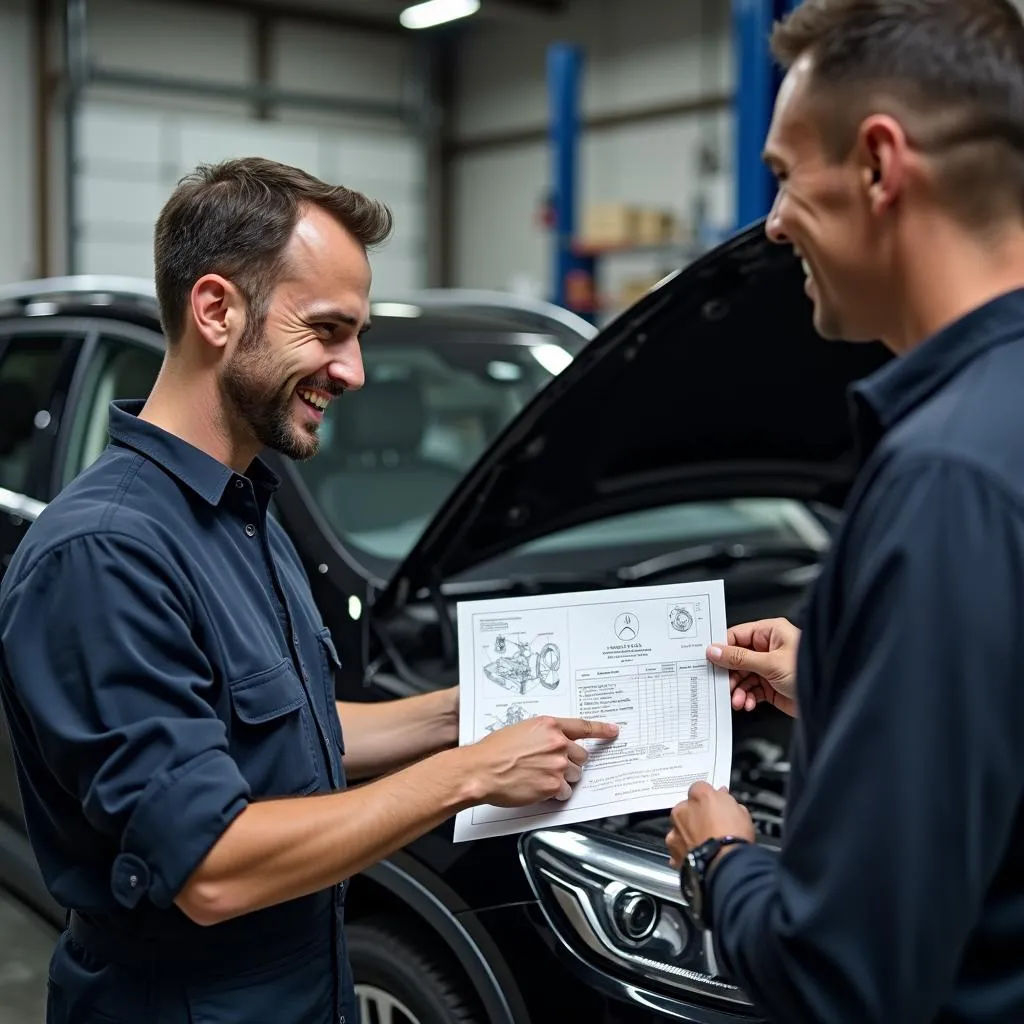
x=37, y=484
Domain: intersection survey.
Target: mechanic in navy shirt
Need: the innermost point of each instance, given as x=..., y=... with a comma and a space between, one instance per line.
x=168, y=679
x=898, y=896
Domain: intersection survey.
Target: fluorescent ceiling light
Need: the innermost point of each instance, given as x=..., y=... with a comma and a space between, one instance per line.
x=437, y=12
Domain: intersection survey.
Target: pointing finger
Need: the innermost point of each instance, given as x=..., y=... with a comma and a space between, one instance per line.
x=583, y=729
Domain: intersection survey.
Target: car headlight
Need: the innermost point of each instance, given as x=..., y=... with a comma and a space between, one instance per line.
x=609, y=898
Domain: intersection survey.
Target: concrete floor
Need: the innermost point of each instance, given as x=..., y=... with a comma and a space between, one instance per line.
x=25, y=947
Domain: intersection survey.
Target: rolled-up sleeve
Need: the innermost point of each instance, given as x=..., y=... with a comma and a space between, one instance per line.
x=99, y=648
x=914, y=775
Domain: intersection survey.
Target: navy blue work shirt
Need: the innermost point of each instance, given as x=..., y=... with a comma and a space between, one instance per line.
x=163, y=665
x=899, y=893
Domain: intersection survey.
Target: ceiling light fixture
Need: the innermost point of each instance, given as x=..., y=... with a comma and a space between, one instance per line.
x=437, y=12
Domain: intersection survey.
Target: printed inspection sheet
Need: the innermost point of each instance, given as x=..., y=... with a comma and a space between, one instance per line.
x=633, y=656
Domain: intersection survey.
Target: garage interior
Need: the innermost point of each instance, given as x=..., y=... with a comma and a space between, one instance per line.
x=516, y=146
x=574, y=152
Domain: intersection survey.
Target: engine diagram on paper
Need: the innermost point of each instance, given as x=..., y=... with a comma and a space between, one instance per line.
x=519, y=665
x=682, y=619
x=514, y=713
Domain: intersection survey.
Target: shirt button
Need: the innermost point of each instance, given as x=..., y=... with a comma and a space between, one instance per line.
x=250, y=530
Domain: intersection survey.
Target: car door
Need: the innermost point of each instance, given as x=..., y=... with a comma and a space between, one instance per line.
x=37, y=362
x=122, y=361
x=51, y=438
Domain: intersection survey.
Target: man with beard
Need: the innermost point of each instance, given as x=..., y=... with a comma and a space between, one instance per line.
x=167, y=676
x=898, y=896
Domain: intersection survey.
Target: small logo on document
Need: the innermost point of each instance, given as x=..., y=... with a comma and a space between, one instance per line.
x=627, y=626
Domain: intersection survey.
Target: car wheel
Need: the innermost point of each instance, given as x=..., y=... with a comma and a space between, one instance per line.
x=397, y=982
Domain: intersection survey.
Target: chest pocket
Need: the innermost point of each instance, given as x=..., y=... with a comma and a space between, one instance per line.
x=272, y=738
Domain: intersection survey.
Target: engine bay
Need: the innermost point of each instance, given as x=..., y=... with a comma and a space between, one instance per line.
x=758, y=780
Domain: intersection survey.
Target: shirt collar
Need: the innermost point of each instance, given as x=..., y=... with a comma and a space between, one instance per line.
x=201, y=473
x=892, y=392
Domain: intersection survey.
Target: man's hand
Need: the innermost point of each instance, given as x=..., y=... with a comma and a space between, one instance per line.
x=761, y=659
x=707, y=814
x=533, y=761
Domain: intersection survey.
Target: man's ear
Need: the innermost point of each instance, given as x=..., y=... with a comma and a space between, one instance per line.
x=883, y=150
x=218, y=310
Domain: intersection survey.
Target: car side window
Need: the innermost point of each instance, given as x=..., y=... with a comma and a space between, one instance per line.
x=31, y=368
x=117, y=369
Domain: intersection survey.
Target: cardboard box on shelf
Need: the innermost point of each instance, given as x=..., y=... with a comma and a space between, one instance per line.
x=608, y=225
x=614, y=225
x=654, y=227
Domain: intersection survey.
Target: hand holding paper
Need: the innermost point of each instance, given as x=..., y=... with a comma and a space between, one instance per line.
x=635, y=657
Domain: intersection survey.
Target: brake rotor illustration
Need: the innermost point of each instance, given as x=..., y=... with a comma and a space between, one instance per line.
x=524, y=668
x=681, y=619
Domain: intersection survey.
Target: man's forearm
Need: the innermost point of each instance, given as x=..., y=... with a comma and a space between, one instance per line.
x=279, y=850
x=385, y=735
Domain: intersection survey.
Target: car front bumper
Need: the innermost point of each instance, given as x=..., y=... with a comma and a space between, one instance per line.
x=557, y=983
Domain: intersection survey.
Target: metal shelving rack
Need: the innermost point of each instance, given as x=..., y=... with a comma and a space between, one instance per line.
x=574, y=268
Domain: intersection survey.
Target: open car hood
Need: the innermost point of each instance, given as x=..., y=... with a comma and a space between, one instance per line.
x=712, y=386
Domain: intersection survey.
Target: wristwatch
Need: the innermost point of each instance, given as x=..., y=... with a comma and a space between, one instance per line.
x=694, y=873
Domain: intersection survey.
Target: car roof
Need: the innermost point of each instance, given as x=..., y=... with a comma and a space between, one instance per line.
x=133, y=299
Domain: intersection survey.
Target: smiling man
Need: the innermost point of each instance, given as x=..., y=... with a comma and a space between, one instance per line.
x=167, y=677
x=898, y=144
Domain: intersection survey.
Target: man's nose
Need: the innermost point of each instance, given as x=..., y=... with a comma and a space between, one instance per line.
x=773, y=226
x=348, y=372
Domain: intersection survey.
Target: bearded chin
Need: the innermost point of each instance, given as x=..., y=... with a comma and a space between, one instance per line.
x=262, y=407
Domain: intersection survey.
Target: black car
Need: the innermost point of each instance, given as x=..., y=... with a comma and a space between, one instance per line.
x=500, y=448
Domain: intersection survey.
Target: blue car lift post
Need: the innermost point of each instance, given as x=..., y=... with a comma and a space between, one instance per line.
x=572, y=284
x=757, y=83
x=758, y=80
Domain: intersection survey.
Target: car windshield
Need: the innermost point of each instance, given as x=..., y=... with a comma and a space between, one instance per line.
x=440, y=387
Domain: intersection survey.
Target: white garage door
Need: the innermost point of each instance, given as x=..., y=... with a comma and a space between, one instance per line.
x=131, y=157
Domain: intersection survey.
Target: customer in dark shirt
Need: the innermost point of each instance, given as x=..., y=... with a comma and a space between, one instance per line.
x=167, y=677
x=898, y=896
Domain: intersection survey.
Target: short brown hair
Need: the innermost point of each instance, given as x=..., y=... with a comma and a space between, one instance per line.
x=952, y=70
x=235, y=218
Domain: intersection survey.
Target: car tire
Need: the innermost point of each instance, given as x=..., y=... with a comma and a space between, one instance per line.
x=389, y=956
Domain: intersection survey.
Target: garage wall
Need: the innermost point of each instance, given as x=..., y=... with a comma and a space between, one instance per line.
x=17, y=148
x=638, y=54
x=133, y=145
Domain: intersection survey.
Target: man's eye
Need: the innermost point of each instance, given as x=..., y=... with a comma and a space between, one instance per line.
x=324, y=328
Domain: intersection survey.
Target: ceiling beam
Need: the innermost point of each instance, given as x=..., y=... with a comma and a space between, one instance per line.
x=287, y=11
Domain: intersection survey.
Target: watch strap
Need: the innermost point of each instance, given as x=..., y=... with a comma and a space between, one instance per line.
x=701, y=862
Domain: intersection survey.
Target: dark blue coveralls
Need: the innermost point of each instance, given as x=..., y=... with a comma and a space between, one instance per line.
x=899, y=894
x=164, y=664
